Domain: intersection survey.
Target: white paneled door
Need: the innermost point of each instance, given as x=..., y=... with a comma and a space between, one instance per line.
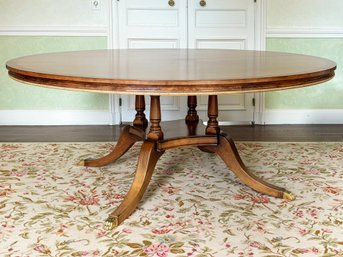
x=229, y=24
x=217, y=24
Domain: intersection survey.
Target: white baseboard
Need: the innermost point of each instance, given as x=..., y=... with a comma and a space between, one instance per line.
x=81, y=117
x=328, y=116
x=65, y=117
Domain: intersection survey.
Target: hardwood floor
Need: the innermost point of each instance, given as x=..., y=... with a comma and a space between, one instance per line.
x=282, y=133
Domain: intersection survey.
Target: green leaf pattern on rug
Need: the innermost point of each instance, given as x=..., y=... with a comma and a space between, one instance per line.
x=194, y=206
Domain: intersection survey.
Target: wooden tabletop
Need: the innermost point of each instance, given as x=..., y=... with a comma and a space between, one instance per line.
x=171, y=71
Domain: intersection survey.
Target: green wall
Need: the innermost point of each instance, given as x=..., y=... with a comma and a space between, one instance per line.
x=324, y=96
x=18, y=96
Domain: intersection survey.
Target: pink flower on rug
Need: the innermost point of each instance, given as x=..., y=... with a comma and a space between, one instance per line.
x=96, y=253
x=332, y=190
x=307, y=162
x=170, y=190
x=161, y=250
x=70, y=199
x=314, y=213
x=61, y=231
x=17, y=173
x=28, y=164
x=110, y=195
x=301, y=250
x=42, y=249
x=312, y=171
x=256, y=245
x=82, y=199
x=168, y=171
x=101, y=233
x=89, y=201
x=127, y=230
x=261, y=199
x=161, y=231
x=299, y=213
x=239, y=196
x=326, y=230
x=303, y=232
x=315, y=250
x=6, y=191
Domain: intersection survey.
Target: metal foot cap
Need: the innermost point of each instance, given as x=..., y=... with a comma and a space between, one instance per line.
x=111, y=223
x=81, y=163
x=288, y=196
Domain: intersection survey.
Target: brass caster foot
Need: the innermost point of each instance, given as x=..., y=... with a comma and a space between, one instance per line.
x=111, y=223
x=81, y=163
x=288, y=196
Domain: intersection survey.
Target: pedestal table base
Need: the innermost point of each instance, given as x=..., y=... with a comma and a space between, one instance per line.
x=168, y=135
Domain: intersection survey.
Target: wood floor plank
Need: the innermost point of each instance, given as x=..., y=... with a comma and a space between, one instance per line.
x=98, y=133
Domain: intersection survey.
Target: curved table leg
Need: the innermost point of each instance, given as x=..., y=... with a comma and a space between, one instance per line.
x=146, y=163
x=227, y=150
x=128, y=137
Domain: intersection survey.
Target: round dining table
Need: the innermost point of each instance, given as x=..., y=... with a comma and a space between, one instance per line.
x=172, y=72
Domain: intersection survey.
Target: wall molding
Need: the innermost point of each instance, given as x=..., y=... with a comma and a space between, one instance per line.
x=310, y=116
x=54, y=117
x=304, y=32
x=48, y=30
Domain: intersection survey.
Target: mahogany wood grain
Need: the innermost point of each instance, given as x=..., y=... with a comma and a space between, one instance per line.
x=155, y=132
x=192, y=115
x=227, y=150
x=140, y=119
x=171, y=71
x=146, y=163
x=212, y=112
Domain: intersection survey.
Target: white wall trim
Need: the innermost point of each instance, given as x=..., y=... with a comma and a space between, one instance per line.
x=58, y=117
x=92, y=31
x=260, y=25
x=314, y=116
x=112, y=43
x=304, y=32
x=260, y=44
x=114, y=109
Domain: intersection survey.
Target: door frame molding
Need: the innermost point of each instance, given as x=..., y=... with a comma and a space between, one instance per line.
x=260, y=44
x=113, y=43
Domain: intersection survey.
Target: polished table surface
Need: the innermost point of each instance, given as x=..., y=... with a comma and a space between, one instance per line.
x=173, y=72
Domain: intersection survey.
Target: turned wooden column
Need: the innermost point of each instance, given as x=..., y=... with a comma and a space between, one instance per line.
x=192, y=115
x=155, y=132
x=212, y=112
x=140, y=119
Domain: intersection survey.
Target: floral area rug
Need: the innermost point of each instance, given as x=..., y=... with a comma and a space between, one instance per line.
x=194, y=206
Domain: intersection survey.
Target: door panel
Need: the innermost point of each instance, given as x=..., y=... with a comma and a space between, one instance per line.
x=220, y=18
x=152, y=43
x=152, y=20
x=153, y=24
x=221, y=44
x=225, y=24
